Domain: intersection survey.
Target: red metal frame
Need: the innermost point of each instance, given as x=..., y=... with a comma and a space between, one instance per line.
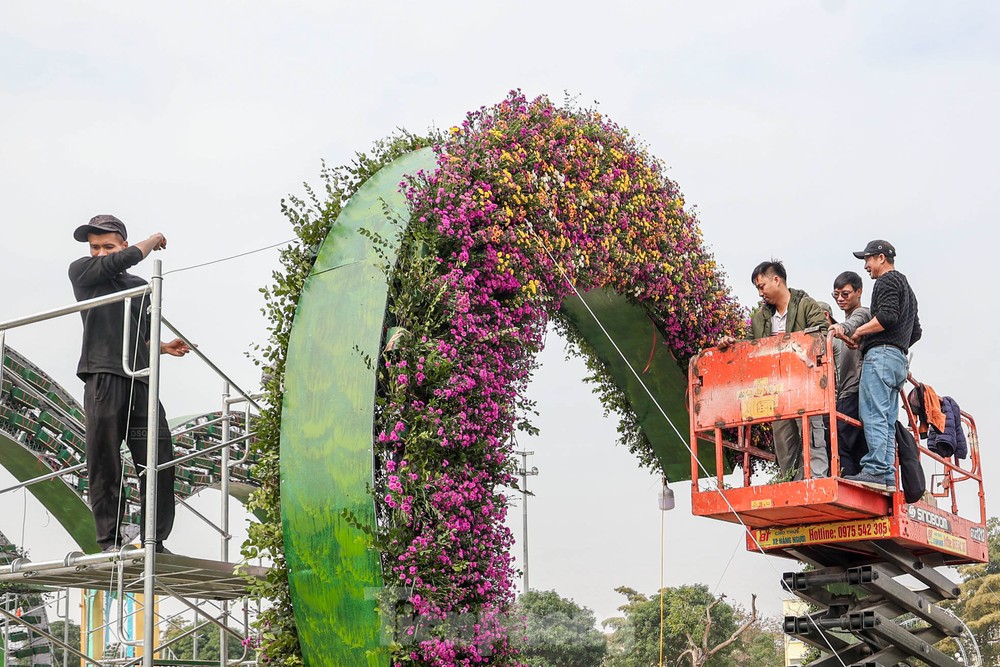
x=791, y=376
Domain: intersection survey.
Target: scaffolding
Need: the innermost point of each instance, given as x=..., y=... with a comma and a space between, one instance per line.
x=132, y=570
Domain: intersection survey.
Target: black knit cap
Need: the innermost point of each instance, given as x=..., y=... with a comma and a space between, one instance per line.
x=100, y=224
x=877, y=247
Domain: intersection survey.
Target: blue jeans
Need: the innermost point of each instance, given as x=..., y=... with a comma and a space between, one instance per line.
x=882, y=376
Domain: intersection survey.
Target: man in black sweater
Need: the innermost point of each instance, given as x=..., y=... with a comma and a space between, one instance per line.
x=885, y=341
x=115, y=404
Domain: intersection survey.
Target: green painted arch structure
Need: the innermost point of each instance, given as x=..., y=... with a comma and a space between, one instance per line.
x=328, y=417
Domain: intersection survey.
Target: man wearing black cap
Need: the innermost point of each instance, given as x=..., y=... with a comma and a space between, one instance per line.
x=885, y=341
x=115, y=404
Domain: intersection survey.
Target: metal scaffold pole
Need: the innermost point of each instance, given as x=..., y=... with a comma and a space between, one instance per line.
x=152, y=436
x=224, y=488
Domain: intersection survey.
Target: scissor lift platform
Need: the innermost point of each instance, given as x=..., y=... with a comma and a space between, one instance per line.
x=858, y=539
x=175, y=575
x=835, y=512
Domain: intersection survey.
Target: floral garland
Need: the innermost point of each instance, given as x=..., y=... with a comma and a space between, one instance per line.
x=528, y=198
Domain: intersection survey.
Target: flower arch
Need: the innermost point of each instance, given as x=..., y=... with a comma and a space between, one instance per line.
x=403, y=378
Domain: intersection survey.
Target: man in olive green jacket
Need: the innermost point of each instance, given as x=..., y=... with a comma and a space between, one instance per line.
x=786, y=311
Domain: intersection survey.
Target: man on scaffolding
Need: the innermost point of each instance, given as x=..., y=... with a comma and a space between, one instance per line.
x=116, y=404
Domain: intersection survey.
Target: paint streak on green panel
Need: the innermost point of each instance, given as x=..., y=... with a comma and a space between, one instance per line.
x=326, y=429
x=633, y=332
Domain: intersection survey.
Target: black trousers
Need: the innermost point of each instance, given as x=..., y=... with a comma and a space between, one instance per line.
x=116, y=410
x=850, y=439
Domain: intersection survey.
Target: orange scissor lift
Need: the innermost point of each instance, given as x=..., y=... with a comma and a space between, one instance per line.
x=858, y=539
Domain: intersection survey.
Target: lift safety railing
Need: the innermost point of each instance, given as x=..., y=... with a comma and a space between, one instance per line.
x=156, y=320
x=953, y=471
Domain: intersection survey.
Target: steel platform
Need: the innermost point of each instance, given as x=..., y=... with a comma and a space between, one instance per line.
x=175, y=575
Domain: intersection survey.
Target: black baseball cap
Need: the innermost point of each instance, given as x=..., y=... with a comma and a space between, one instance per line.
x=100, y=224
x=877, y=247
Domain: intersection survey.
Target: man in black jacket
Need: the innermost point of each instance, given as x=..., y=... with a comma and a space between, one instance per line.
x=885, y=341
x=115, y=404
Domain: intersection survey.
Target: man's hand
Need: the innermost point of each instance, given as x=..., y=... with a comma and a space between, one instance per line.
x=155, y=242
x=837, y=331
x=175, y=348
x=725, y=342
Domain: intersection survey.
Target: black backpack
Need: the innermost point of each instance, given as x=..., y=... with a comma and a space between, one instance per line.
x=910, y=471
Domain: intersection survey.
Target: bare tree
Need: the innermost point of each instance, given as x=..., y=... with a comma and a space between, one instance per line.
x=700, y=653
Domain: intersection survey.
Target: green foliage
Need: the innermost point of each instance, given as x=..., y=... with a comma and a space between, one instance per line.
x=979, y=602
x=559, y=632
x=635, y=638
x=208, y=642
x=311, y=218
x=56, y=630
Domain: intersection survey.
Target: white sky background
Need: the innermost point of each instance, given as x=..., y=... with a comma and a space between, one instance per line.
x=800, y=130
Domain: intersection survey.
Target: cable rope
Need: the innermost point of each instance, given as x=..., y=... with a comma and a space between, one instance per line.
x=226, y=259
x=122, y=498
x=662, y=559
x=24, y=512
x=673, y=426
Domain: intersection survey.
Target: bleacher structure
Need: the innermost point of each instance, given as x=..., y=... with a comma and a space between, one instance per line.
x=42, y=445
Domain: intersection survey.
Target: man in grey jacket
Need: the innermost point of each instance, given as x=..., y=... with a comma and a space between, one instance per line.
x=851, y=444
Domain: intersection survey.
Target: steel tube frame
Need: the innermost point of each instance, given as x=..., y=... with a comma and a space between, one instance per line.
x=35, y=480
x=196, y=427
x=77, y=307
x=224, y=512
x=210, y=364
x=34, y=628
x=157, y=321
x=202, y=452
x=152, y=433
x=126, y=339
x=187, y=505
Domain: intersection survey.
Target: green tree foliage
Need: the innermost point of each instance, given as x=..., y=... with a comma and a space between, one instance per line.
x=699, y=629
x=56, y=630
x=979, y=602
x=208, y=642
x=635, y=638
x=559, y=632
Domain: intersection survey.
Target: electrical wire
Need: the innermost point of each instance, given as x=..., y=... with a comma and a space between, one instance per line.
x=662, y=558
x=669, y=421
x=226, y=259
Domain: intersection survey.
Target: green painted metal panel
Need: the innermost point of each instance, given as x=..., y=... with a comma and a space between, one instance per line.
x=58, y=498
x=633, y=332
x=326, y=429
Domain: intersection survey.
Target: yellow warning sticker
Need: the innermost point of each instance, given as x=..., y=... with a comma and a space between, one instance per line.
x=845, y=531
x=761, y=504
x=943, y=540
x=761, y=400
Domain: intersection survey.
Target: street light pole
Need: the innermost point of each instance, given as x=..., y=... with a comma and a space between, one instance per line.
x=524, y=472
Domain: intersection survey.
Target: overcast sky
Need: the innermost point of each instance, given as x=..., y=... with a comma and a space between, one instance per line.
x=799, y=130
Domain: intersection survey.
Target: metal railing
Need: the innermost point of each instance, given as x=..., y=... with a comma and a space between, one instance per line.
x=156, y=322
